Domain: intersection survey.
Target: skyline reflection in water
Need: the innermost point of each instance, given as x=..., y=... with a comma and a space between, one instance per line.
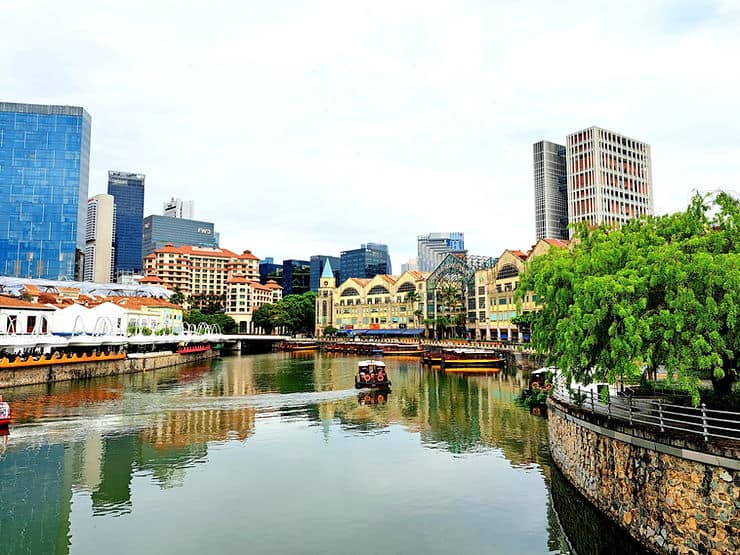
x=276, y=453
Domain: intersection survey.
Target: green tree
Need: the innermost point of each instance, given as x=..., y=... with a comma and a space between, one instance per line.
x=262, y=317
x=660, y=291
x=227, y=323
x=295, y=313
x=177, y=296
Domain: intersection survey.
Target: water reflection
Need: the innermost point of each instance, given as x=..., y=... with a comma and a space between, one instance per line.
x=93, y=443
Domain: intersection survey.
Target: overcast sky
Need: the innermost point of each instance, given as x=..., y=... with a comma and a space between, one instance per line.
x=305, y=128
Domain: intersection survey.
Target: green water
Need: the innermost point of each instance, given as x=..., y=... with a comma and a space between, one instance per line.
x=278, y=453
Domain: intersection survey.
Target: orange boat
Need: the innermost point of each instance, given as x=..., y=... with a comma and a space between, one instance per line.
x=58, y=358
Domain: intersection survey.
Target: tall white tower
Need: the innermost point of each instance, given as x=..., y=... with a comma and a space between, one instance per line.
x=178, y=208
x=99, y=239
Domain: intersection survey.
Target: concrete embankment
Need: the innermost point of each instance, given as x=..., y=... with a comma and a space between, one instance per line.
x=672, y=494
x=77, y=371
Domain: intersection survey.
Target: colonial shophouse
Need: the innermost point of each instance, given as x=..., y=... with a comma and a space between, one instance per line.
x=380, y=303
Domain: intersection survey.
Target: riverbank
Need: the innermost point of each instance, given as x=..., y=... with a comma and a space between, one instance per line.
x=132, y=364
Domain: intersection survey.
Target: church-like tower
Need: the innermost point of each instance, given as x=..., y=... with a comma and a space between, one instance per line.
x=325, y=300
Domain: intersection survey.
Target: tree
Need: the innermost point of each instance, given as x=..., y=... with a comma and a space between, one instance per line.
x=660, y=291
x=296, y=313
x=411, y=298
x=177, y=296
x=262, y=317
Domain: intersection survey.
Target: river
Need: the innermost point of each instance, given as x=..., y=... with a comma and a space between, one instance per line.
x=277, y=453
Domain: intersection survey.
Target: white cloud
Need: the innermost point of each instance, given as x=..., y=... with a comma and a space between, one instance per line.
x=311, y=127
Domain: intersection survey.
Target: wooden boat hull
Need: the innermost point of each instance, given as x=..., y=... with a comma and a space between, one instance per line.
x=410, y=352
x=472, y=370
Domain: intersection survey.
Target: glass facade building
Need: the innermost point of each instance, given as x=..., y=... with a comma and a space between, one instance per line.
x=367, y=261
x=550, y=196
x=296, y=277
x=128, y=192
x=432, y=248
x=44, y=174
x=318, y=261
x=160, y=230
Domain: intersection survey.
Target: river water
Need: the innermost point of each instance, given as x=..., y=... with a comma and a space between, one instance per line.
x=278, y=453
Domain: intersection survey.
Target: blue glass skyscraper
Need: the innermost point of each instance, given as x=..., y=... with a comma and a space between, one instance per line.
x=366, y=262
x=44, y=174
x=128, y=191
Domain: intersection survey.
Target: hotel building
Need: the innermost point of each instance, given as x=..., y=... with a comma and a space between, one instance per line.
x=198, y=272
x=609, y=177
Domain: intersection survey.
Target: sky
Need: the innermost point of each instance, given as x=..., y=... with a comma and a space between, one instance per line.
x=304, y=128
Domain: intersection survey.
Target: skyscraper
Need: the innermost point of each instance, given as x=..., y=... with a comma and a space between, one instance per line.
x=433, y=247
x=178, y=208
x=318, y=263
x=609, y=177
x=369, y=260
x=128, y=192
x=44, y=174
x=296, y=277
x=550, y=191
x=99, y=254
x=160, y=230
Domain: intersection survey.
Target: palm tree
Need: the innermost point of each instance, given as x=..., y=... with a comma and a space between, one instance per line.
x=412, y=297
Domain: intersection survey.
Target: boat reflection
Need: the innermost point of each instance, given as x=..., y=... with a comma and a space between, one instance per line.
x=373, y=397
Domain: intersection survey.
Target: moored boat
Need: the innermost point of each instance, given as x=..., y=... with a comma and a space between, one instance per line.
x=402, y=349
x=471, y=360
x=297, y=346
x=372, y=373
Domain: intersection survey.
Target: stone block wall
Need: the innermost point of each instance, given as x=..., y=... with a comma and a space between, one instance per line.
x=671, y=500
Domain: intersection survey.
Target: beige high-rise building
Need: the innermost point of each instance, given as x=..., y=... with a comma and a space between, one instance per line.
x=610, y=178
x=99, y=239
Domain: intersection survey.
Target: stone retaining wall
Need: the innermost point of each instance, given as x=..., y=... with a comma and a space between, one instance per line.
x=63, y=372
x=670, y=498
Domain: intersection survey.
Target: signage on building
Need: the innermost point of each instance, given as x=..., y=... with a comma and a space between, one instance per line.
x=204, y=230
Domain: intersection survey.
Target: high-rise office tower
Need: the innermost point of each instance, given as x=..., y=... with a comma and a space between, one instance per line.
x=318, y=263
x=178, y=208
x=44, y=173
x=433, y=247
x=296, y=277
x=610, y=177
x=161, y=230
x=367, y=261
x=128, y=193
x=99, y=240
x=550, y=191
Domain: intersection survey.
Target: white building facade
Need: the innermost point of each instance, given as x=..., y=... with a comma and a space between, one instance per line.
x=609, y=177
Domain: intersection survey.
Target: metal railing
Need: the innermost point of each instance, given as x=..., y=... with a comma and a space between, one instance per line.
x=655, y=412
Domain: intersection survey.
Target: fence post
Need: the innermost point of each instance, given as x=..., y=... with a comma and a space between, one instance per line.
x=580, y=401
x=704, y=421
x=609, y=408
x=660, y=413
x=630, y=407
x=592, y=401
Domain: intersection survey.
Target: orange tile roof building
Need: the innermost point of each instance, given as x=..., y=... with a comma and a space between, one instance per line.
x=198, y=272
x=244, y=296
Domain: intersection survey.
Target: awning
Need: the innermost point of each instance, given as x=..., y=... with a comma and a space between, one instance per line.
x=384, y=333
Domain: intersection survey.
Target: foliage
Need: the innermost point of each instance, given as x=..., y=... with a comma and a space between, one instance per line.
x=660, y=291
x=295, y=313
x=524, y=320
x=537, y=395
x=226, y=323
x=209, y=303
x=177, y=297
x=330, y=330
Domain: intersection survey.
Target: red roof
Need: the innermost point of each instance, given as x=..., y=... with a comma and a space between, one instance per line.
x=12, y=302
x=556, y=242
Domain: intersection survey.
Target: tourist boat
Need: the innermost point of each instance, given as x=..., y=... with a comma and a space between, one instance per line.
x=372, y=373
x=402, y=349
x=297, y=346
x=471, y=361
x=191, y=349
x=58, y=358
x=4, y=413
x=432, y=356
